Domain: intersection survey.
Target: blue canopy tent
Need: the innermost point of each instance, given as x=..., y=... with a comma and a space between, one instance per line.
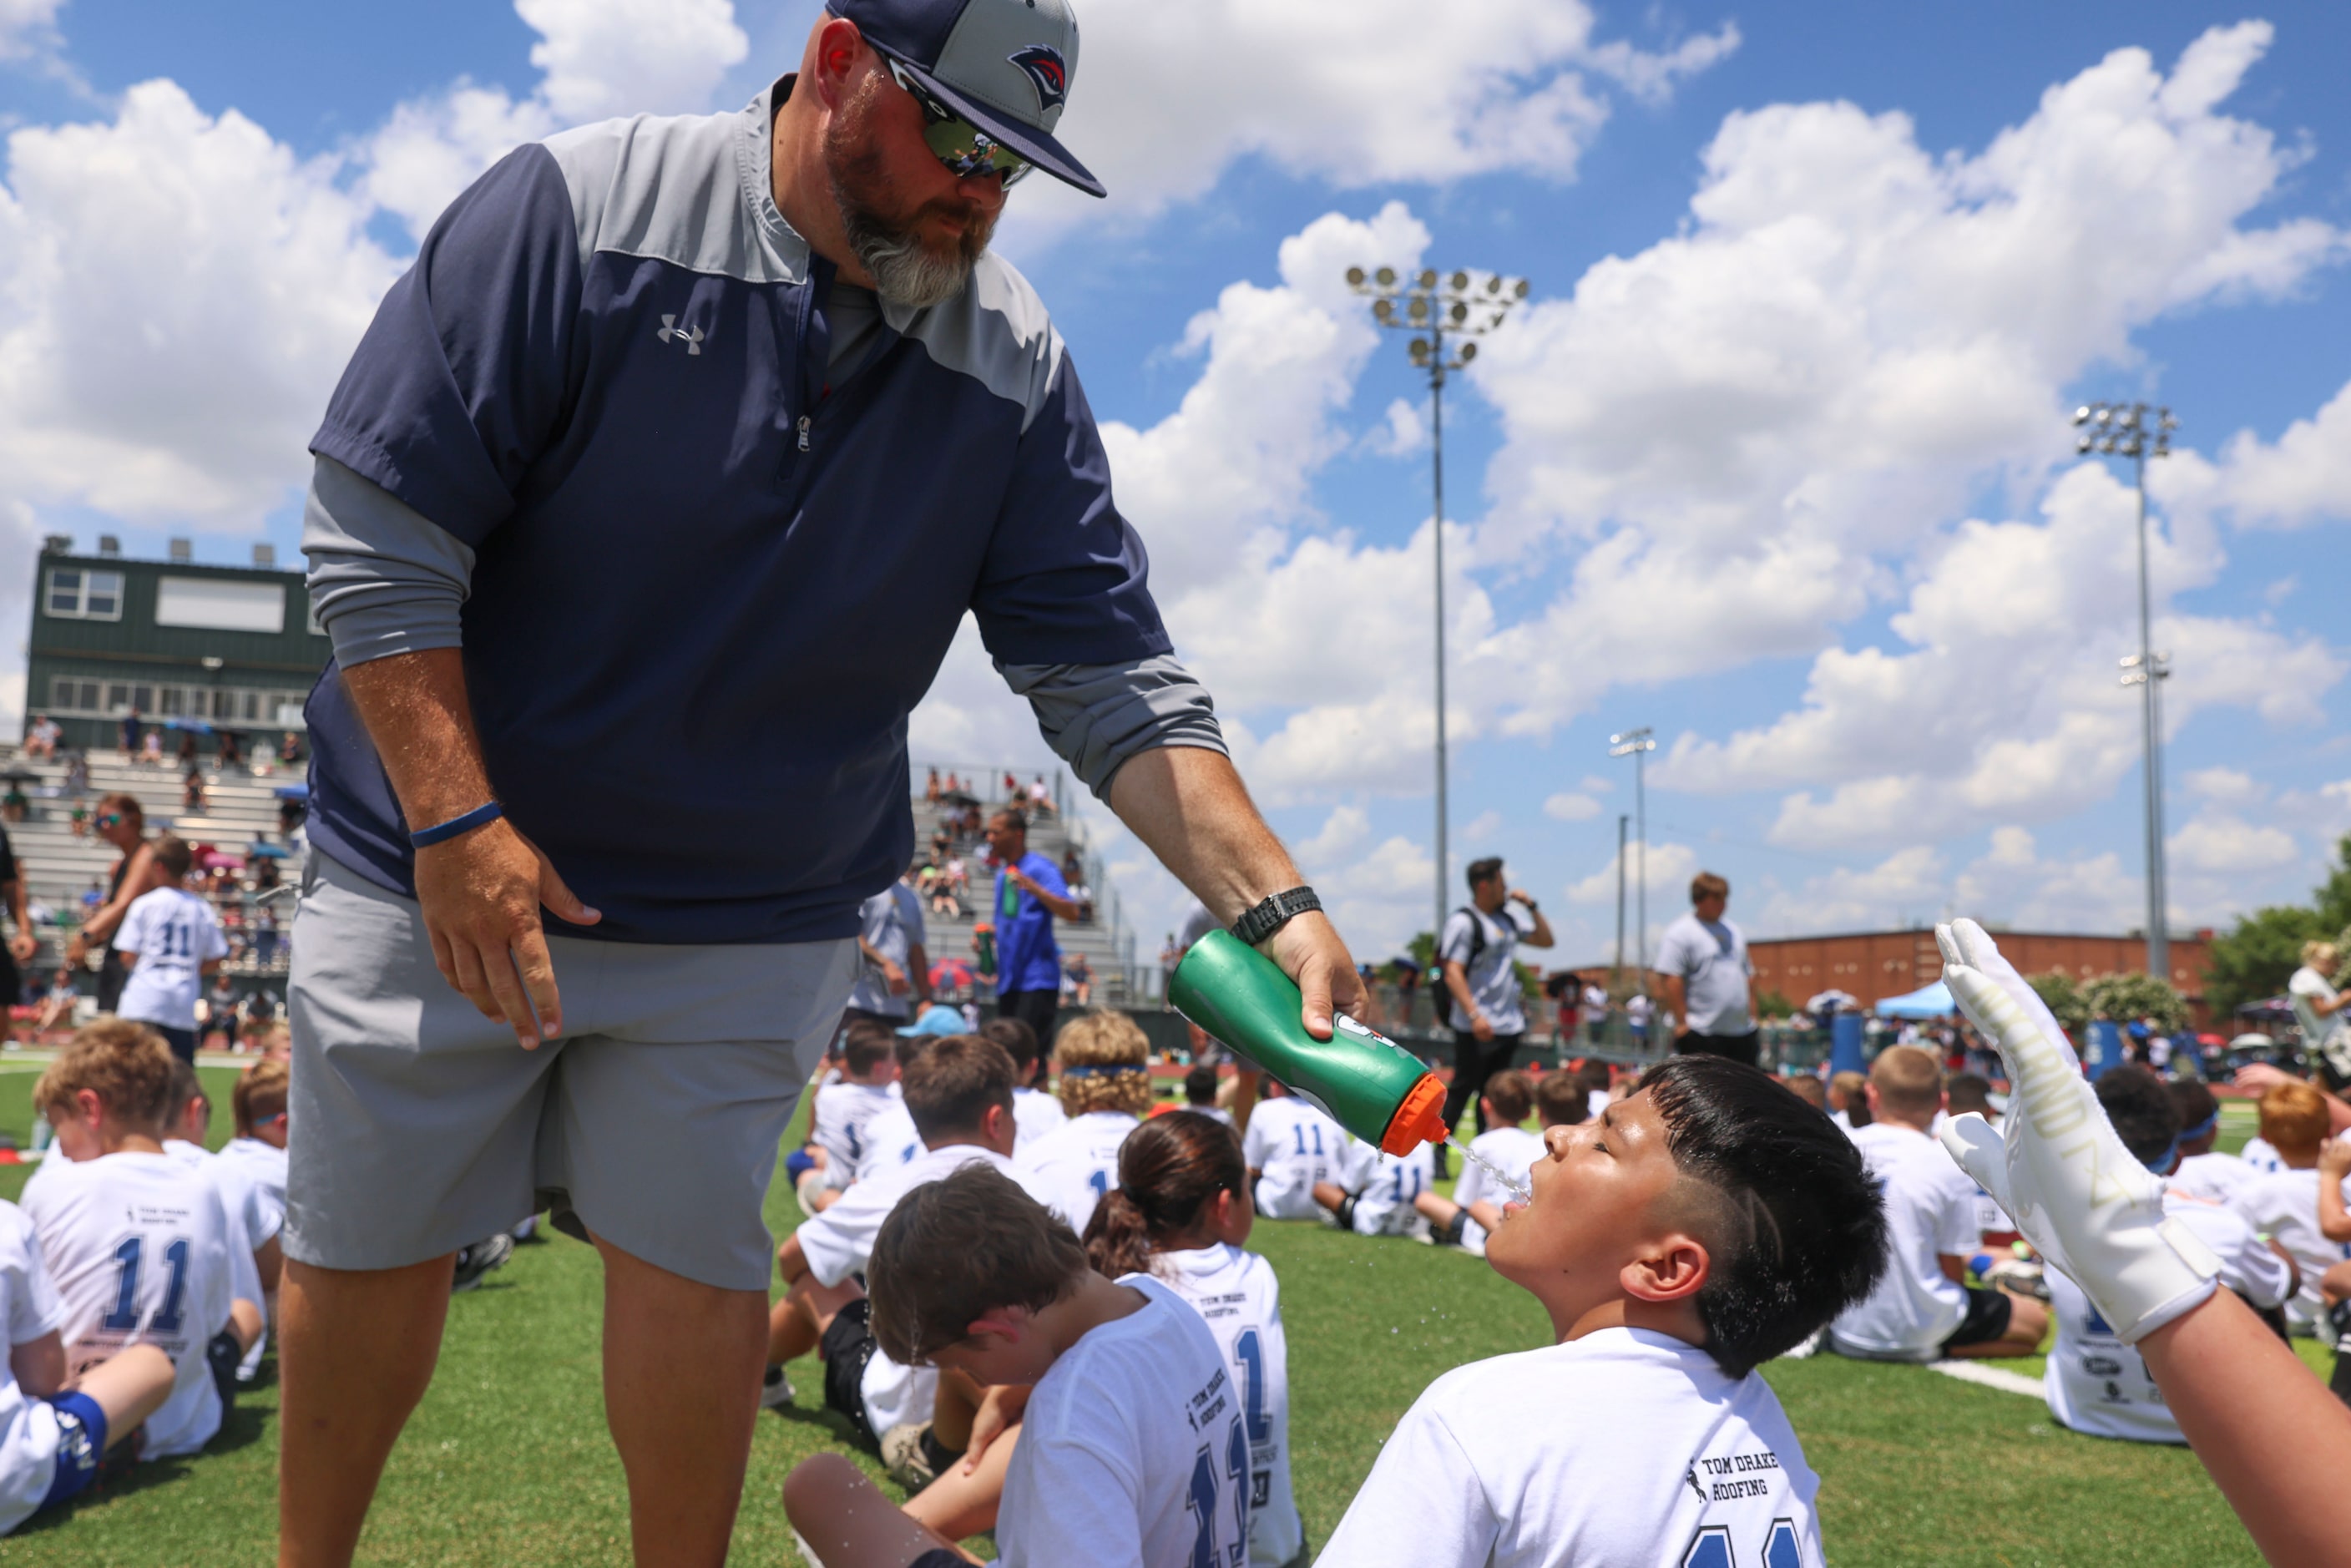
x=1927, y=1002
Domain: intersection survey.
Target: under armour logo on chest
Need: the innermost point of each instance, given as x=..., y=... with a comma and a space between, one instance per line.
x=690, y=336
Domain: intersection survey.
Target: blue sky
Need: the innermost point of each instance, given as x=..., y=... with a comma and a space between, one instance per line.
x=1776, y=461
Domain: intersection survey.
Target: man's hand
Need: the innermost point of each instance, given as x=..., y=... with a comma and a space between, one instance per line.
x=76, y=951
x=480, y=894
x=1481, y=1026
x=23, y=946
x=2062, y=1173
x=1310, y=952
x=894, y=977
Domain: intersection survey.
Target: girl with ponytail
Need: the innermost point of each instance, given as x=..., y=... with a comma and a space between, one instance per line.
x=1180, y=1213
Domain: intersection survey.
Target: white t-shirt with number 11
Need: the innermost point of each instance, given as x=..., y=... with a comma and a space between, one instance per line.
x=175, y=934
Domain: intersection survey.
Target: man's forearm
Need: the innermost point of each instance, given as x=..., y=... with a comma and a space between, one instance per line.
x=1456, y=984
x=1669, y=993
x=1190, y=808
x=417, y=712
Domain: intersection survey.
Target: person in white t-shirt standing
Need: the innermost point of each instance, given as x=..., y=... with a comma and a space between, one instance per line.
x=1478, y=952
x=1923, y=1309
x=172, y=941
x=1702, y=973
x=2094, y=1382
x=2318, y=1008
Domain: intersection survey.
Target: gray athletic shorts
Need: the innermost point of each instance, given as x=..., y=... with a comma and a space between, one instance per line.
x=417, y=1126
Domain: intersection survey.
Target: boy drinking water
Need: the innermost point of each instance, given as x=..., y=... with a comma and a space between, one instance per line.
x=1700, y=1227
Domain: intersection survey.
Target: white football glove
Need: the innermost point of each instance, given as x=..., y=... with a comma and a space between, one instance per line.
x=2084, y=1201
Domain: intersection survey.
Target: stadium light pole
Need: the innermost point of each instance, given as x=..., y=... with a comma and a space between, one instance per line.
x=1637, y=744
x=2125, y=429
x=1623, y=821
x=1464, y=307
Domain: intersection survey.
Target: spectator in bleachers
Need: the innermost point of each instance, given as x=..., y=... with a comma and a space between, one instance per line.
x=130, y=737
x=931, y=789
x=77, y=773
x=58, y=1006
x=229, y=755
x=1041, y=798
x=187, y=749
x=289, y=750
x=41, y=739
x=122, y=823
x=151, y=750
x=192, y=785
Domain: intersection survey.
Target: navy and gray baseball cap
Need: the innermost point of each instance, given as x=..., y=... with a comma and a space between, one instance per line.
x=1004, y=64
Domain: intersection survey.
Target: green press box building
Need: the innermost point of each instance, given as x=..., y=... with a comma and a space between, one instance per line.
x=233, y=646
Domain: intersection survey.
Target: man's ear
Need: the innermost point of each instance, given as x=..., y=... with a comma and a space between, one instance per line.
x=998, y=1129
x=834, y=55
x=1671, y=1269
x=1869, y=1093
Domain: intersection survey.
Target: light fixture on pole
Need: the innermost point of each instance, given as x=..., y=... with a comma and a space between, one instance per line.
x=1637, y=744
x=2126, y=430
x=1462, y=305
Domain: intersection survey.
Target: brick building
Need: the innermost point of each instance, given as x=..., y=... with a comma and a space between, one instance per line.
x=1873, y=965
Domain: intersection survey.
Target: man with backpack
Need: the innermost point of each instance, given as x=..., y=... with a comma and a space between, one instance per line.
x=1478, y=950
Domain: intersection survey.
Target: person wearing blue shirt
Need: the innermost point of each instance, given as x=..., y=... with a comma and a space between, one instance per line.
x=1030, y=894
x=667, y=416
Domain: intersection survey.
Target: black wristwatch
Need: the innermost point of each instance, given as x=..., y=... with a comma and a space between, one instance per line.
x=1274, y=913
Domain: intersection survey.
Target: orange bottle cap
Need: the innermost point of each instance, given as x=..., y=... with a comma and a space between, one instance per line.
x=1419, y=1120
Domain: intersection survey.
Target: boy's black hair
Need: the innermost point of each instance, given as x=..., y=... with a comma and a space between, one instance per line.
x=2144, y=1115
x=1200, y=1086
x=1799, y=1233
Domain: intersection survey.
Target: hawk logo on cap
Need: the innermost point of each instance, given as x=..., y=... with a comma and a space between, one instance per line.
x=1047, y=73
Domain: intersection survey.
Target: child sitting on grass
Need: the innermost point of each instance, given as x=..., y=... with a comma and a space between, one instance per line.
x=1700, y=1227
x=1134, y=1434
x=1379, y=1194
x=2284, y=1204
x=1289, y=1148
x=843, y=1112
x=1924, y=1309
x=135, y=1242
x=1105, y=1088
x=1034, y=1112
x=1181, y=1213
x=53, y=1430
x=2094, y=1382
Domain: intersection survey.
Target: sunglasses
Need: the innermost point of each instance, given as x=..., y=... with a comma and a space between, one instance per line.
x=111, y=820
x=956, y=142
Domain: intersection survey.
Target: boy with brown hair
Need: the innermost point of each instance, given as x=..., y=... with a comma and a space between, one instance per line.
x=842, y=1112
x=1134, y=1448
x=2284, y=1204
x=1923, y=1308
x=170, y=939
x=135, y=1242
x=1105, y=1088
x=959, y=1093
x=1034, y=1112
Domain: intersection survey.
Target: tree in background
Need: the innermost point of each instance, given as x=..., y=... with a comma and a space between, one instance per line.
x=2256, y=958
x=2063, y=998
x=2129, y=997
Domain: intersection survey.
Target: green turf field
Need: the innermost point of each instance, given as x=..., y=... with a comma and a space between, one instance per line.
x=507, y=1463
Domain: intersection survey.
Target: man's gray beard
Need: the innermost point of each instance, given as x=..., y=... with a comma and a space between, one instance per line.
x=904, y=270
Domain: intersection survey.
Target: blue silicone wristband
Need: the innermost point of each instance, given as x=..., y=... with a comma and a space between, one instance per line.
x=476, y=817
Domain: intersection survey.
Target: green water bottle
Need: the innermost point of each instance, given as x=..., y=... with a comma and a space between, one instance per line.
x=1359, y=1078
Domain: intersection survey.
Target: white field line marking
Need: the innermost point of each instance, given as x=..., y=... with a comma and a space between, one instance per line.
x=1990, y=1377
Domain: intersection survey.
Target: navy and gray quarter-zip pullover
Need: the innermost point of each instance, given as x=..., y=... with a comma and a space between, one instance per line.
x=701, y=566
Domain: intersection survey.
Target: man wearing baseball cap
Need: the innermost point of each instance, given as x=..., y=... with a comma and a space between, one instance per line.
x=666, y=418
